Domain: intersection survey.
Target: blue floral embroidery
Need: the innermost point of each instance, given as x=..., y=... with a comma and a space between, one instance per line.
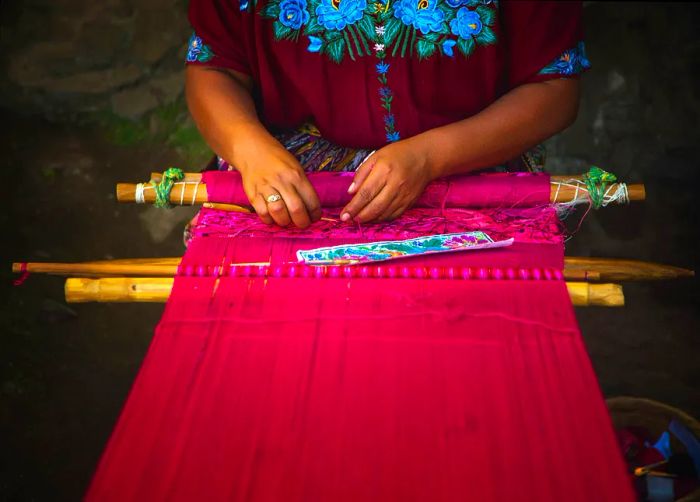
x=337, y=14
x=243, y=5
x=423, y=15
x=448, y=46
x=315, y=44
x=571, y=62
x=467, y=23
x=382, y=67
x=393, y=136
x=340, y=28
x=293, y=13
x=197, y=51
x=383, y=28
x=385, y=94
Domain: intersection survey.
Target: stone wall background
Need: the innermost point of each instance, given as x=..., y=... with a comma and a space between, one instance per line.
x=71, y=58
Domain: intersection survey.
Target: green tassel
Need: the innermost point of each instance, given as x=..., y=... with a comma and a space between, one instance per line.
x=163, y=189
x=597, y=182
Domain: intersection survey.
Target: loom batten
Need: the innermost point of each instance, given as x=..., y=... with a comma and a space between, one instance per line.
x=157, y=290
x=575, y=269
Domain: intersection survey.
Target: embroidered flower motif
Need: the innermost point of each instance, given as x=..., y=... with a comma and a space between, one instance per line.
x=243, y=5
x=197, y=51
x=382, y=67
x=337, y=14
x=393, y=136
x=293, y=13
x=448, y=46
x=571, y=62
x=315, y=44
x=382, y=28
x=423, y=15
x=467, y=23
x=385, y=92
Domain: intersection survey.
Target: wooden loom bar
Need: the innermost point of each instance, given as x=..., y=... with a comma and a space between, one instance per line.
x=575, y=269
x=157, y=290
x=192, y=192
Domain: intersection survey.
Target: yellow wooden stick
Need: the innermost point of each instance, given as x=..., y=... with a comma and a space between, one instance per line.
x=157, y=290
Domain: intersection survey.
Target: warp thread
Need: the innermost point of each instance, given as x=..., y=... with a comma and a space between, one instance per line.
x=451, y=316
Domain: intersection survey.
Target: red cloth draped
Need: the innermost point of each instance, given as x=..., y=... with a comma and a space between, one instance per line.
x=362, y=389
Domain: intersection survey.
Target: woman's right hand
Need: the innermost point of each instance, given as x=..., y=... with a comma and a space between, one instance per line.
x=268, y=170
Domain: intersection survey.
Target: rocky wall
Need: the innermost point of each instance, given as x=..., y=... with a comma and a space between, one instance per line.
x=71, y=58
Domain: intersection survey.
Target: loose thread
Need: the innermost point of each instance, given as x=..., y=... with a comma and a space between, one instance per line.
x=22, y=278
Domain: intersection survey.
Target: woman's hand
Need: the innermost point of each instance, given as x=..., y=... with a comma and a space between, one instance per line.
x=389, y=182
x=276, y=184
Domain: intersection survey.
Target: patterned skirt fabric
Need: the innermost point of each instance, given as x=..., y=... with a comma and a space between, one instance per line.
x=317, y=154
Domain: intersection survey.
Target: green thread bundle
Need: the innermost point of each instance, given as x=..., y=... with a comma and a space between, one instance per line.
x=597, y=182
x=163, y=189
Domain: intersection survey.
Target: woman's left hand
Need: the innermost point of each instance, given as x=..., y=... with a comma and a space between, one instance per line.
x=389, y=182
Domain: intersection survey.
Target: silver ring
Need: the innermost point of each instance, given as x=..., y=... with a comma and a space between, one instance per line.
x=273, y=198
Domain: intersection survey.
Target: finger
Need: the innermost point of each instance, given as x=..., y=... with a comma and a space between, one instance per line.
x=377, y=206
x=260, y=207
x=386, y=215
x=365, y=194
x=277, y=209
x=362, y=172
x=310, y=199
x=397, y=213
x=295, y=206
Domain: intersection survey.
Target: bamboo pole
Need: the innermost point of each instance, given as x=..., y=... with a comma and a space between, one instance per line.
x=575, y=269
x=192, y=192
x=157, y=290
x=615, y=270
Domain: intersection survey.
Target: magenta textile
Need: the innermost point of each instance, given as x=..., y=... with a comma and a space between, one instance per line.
x=305, y=388
x=469, y=190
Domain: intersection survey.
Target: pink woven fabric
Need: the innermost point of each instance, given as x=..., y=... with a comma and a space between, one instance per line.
x=472, y=190
x=320, y=388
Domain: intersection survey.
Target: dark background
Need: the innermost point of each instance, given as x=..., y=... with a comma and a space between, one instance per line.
x=91, y=94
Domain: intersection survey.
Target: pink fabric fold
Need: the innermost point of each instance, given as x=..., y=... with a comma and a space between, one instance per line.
x=472, y=190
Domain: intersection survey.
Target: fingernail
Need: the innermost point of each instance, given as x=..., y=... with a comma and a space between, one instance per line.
x=345, y=217
x=352, y=187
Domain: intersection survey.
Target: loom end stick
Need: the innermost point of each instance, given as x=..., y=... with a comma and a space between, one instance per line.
x=118, y=290
x=126, y=192
x=585, y=294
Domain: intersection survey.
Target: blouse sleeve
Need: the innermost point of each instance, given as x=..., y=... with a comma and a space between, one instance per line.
x=218, y=40
x=542, y=40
